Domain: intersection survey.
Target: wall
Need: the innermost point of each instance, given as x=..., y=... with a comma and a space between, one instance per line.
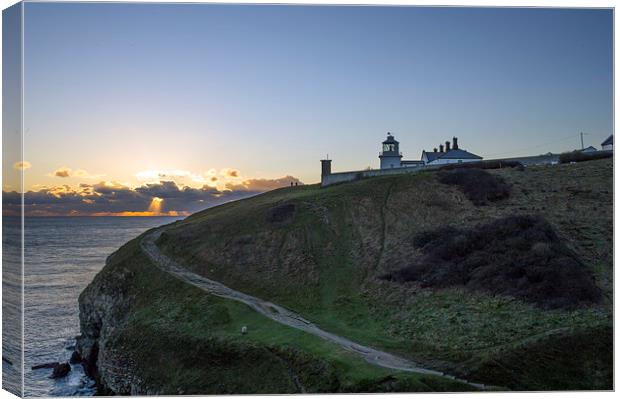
x=447, y=161
x=388, y=162
x=335, y=178
x=545, y=159
x=342, y=177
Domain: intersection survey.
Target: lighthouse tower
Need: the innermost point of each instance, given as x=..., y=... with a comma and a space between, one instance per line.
x=390, y=156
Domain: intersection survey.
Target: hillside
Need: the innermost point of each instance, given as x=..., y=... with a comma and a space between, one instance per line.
x=381, y=262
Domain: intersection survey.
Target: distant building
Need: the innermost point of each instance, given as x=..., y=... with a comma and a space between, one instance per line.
x=589, y=149
x=447, y=155
x=608, y=145
x=391, y=162
x=390, y=155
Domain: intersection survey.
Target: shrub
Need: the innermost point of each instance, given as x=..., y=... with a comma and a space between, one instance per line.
x=579, y=156
x=495, y=164
x=281, y=213
x=518, y=256
x=479, y=187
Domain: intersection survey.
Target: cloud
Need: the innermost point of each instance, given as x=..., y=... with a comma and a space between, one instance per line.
x=117, y=199
x=62, y=172
x=80, y=173
x=223, y=180
x=228, y=172
x=183, y=177
x=23, y=165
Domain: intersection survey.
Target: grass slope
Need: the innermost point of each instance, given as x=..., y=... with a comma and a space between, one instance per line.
x=321, y=252
x=177, y=339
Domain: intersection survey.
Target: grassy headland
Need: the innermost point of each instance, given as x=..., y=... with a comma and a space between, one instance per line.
x=323, y=253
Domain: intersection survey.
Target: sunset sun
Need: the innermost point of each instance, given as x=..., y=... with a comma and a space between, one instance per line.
x=155, y=206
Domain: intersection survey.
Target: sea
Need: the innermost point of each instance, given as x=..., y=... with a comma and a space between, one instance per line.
x=62, y=255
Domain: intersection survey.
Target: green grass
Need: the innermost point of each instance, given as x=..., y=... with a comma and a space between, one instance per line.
x=324, y=264
x=183, y=340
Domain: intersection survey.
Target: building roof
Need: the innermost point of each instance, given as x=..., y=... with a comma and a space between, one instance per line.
x=452, y=154
x=589, y=149
x=431, y=156
x=609, y=140
x=458, y=154
x=412, y=162
x=390, y=140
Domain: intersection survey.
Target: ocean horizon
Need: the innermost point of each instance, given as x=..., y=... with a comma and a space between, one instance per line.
x=62, y=256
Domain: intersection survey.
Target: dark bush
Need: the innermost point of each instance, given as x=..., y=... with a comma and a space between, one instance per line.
x=281, y=213
x=578, y=156
x=479, y=187
x=517, y=256
x=495, y=164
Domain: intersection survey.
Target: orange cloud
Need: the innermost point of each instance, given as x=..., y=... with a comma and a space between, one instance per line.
x=111, y=198
x=62, y=172
x=229, y=172
x=23, y=165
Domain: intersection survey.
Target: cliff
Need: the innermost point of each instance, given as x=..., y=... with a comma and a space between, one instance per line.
x=366, y=260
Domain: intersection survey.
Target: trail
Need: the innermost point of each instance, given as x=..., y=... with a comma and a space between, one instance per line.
x=281, y=315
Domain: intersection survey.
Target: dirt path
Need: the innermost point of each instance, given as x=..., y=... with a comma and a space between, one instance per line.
x=280, y=314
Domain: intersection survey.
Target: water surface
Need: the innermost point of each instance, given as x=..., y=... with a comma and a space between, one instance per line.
x=62, y=255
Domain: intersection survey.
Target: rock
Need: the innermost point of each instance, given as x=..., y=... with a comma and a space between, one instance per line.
x=45, y=366
x=75, y=357
x=61, y=370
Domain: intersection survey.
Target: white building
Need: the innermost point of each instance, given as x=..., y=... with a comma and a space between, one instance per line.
x=608, y=145
x=390, y=157
x=446, y=155
x=392, y=163
x=589, y=149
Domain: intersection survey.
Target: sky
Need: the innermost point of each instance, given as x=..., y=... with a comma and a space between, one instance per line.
x=231, y=100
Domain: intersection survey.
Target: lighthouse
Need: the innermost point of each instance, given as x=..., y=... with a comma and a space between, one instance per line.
x=390, y=155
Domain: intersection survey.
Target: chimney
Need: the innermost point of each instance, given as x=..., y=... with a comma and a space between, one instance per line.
x=455, y=144
x=435, y=149
x=326, y=167
x=447, y=146
x=440, y=147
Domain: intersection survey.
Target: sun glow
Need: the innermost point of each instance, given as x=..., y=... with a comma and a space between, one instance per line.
x=155, y=206
x=145, y=213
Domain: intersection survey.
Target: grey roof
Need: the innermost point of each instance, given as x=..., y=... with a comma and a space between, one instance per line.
x=609, y=140
x=431, y=156
x=412, y=162
x=589, y=149
x=459, y=154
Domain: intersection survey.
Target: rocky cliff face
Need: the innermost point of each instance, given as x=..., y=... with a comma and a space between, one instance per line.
x=103, y=309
